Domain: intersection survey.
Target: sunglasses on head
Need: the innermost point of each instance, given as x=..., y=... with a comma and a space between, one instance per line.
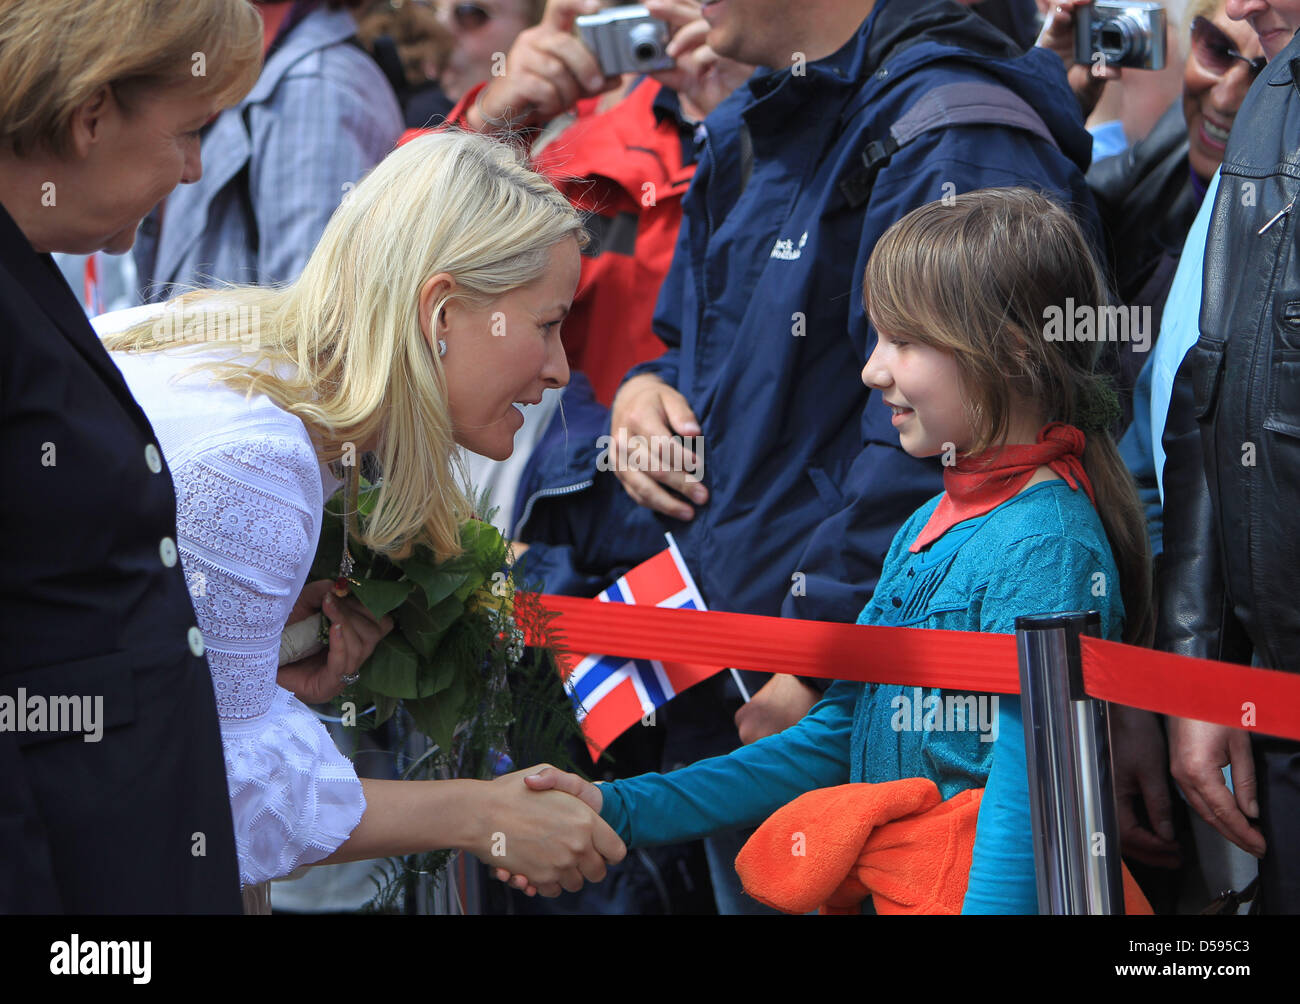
x=1214, y=51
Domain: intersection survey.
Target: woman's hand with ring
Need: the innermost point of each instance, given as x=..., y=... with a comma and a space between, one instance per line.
x=354, y=634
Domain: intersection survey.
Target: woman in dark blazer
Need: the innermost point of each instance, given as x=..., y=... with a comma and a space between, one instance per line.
x=112, y=799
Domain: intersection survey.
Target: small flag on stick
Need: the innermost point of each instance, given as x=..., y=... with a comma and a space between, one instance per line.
x=612, y=693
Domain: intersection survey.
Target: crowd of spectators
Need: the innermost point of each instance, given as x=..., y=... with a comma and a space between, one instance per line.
x=733, y=205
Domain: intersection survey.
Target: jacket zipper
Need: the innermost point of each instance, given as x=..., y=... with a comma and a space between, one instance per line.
x=546, y=493
x=1284, y=210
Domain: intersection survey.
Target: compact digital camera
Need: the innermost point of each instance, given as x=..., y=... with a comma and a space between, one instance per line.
x=1126, y=34
x=626, y=40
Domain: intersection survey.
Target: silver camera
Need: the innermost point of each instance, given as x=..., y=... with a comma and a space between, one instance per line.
x=626, y=40
x=1126, y=34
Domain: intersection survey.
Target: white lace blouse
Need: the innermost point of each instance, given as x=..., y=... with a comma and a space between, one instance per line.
x=249, y=493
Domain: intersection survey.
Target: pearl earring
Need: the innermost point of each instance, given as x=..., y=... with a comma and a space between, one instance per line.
x=442, y=348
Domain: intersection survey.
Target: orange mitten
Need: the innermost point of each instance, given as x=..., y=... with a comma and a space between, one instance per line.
x=801, y=856
x=896, y=842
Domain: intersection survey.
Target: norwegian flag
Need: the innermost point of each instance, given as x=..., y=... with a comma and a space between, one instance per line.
x=611, y=693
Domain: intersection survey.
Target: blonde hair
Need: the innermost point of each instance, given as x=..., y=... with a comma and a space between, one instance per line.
x=976, y=277
x=449, y=202
x=55, y=54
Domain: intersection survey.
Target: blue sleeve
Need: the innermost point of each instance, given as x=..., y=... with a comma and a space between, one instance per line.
x=843, y=557
x=667, y=322
x=1135, y=450
x=1002, y=876
x=553, y=568
x=323, y=129
x=742, y=788
x=1180, y=326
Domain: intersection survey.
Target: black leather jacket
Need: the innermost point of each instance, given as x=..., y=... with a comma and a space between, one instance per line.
x=1147, y=204
x=1232, y=473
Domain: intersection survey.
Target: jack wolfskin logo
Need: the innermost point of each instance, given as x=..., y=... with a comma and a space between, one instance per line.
x=785, y=249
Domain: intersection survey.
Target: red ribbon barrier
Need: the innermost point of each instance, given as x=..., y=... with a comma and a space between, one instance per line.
x=1259, y=700
x=920, y=657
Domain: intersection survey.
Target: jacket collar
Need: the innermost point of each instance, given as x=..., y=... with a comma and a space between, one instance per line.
x=1284, y=69
x=36, y=275
x=892, y=27
x=318, y=30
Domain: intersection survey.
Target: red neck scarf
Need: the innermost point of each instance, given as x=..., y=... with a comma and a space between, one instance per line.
x=979, y=484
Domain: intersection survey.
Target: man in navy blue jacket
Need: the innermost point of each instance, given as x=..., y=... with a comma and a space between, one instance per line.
x=804, y=481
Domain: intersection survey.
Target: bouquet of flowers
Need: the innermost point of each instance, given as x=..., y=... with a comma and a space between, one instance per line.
x=456, y=660
x=457, y=645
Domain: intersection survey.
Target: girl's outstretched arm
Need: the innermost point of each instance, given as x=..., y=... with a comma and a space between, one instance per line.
x=739, y=789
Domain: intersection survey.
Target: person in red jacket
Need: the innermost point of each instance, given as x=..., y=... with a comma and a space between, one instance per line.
x=623, y=151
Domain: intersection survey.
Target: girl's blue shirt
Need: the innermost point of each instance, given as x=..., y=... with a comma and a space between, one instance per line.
x=1041, y=551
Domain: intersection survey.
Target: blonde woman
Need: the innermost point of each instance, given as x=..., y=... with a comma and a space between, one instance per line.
x=428, y=312
x=126, y=809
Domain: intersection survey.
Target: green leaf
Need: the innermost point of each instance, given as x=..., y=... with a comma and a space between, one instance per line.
x=435, y=677
x=384, y=708
x=380, y=596
x=425, y=643
x=367, y=496
x=393, y=669
x=437, y=717
x=465, y=591
x=445, y=614
x=436, y=583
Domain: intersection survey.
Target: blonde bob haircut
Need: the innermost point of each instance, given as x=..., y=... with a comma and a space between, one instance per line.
x=56, y=54
x=348, y=354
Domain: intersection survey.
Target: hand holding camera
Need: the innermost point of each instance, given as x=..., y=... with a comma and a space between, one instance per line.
x=701, y=78
x=549, y=67
x=546, y=71
x=1120, y=33
x=1060, y=34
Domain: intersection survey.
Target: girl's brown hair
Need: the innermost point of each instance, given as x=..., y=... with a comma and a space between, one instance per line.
x=978, y=276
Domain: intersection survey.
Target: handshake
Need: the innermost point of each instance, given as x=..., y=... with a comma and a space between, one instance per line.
x=546, y=835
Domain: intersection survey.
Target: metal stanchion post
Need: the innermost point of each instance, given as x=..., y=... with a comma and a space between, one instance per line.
x=1071, y=783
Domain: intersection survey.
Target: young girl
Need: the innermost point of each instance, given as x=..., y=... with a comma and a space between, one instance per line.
x=1035, y=512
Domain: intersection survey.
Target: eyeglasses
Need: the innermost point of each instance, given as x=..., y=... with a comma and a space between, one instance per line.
x=1214, y=51
x=470, y=16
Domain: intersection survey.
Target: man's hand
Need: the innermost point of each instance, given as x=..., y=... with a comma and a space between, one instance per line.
x=354, y=633
x=1198, y=752
x=547, y=70
x=1141, y=768
x=647, y=407
x=552, y=838
x=781, y=702
x=701, y=78
x=1087, y=81
x=548, y=778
